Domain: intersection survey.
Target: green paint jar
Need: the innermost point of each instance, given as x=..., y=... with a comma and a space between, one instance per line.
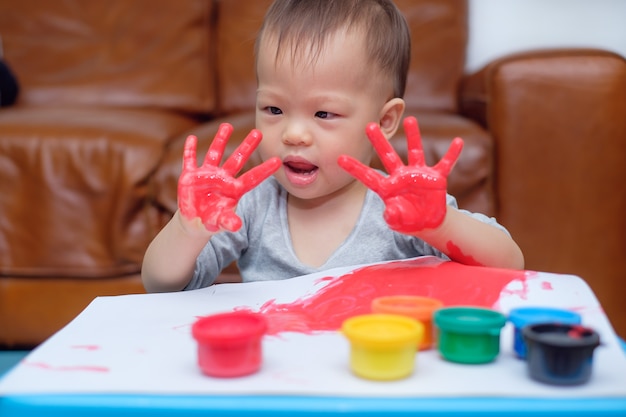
x=469, y=335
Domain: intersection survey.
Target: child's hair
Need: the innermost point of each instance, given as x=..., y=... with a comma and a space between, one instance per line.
x=294, y=23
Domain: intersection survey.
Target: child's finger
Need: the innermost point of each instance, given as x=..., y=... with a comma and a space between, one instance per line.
x=363, y=173
x=258, y=174
x=216, y=150
x=189, y=153
x=445, y=165
x=385, y=151
x=236, y=161
x=414, y=142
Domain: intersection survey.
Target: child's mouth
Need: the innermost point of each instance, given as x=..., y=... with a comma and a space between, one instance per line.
x=300, y=167
x=300, y=172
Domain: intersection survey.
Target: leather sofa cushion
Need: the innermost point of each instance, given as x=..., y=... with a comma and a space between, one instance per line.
x=97, y=52
x=236, y=30
x=439, y=33
x=32, y=309
x=75, y=195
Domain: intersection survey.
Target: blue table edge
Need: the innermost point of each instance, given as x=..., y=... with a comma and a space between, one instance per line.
x=156, y=405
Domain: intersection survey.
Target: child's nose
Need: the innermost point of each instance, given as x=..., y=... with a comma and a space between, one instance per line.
x=296, y=134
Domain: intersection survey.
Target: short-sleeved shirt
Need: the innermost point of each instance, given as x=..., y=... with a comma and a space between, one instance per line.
x=263, y=248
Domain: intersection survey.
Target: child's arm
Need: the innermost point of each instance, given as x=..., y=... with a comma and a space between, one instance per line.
x=415, y=200
x=207, y=198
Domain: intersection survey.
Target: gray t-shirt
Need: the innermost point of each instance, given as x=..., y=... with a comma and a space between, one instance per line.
x=263, y=249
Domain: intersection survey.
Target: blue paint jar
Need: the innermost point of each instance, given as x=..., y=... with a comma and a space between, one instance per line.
x=524, y=316
x=560, y=354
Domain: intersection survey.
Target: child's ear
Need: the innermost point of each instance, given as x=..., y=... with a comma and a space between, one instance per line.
x=390, y=116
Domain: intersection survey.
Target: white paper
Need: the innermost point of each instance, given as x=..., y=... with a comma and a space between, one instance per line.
x=142, y=344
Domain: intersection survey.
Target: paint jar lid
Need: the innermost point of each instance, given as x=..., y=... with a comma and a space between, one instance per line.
x=382, y=330
x=560, y=354
x=562, y=335
x=229, y=328
x=420, y=308
x=523, y=316
x=469, y=320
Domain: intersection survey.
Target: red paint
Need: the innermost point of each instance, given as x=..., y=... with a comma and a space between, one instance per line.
x=352, y=294
x=577, y=332
x=546, y=286
x=455, y=253
x=86, y=347
x=521, y=293
x=78, y=368
x=210, y=192
x=414, y=194
x=585, y=308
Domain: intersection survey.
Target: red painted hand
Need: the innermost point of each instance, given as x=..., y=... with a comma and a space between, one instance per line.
x=211, y=193
x=414, y=194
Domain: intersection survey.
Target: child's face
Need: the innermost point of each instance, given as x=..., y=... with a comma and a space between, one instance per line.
x=311, y=112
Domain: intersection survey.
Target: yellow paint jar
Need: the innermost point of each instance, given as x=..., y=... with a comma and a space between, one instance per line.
x=382, y=346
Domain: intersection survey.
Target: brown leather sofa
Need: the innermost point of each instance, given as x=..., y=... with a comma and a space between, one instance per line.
x=91, y=152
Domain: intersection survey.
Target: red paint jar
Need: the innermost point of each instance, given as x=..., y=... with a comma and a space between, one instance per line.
x=229, y=344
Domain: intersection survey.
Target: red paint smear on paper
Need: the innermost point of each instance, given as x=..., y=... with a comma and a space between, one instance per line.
x=86, y=347
x=352, y=294
x=521, y=293
x=545, y=285
x=80, y=368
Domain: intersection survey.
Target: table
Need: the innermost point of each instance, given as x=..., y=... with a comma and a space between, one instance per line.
x=132, y=355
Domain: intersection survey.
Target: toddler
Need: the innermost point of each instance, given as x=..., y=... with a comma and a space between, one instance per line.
x=331, y=77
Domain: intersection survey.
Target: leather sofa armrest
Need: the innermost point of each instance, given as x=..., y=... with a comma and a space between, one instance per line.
x=558, y=119
x=476, y=91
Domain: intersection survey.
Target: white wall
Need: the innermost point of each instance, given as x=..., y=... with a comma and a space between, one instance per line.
x=498, y=27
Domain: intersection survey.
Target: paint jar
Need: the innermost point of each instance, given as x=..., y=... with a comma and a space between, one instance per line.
x=524, y=316
x=229, y=344
x=382, y=346
x=416, y=307
x=560, y=354
x=469, y=334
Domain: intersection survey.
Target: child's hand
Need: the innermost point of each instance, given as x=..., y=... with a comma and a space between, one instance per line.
x=414, y=194
x=211, y=193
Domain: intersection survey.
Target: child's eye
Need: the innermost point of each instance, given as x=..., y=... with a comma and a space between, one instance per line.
x=274, y=110
x=324, y=115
